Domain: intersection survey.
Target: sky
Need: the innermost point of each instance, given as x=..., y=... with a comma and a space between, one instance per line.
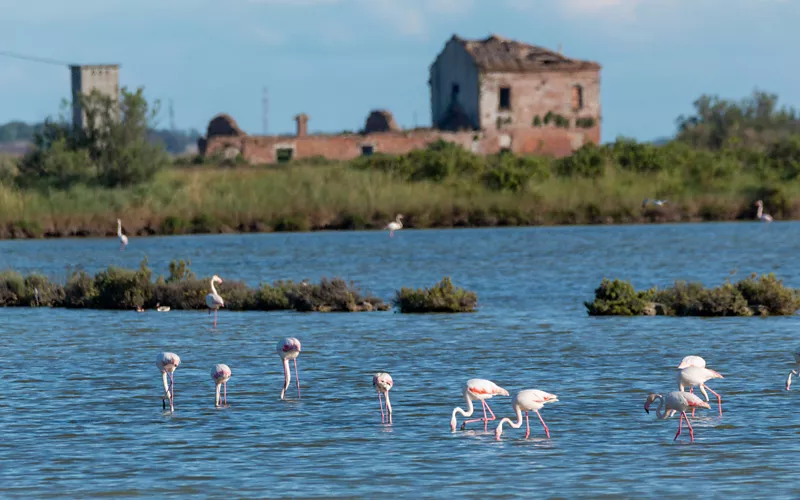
x=336, y=60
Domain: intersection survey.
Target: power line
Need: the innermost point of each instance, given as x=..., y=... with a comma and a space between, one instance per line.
x=43, y=60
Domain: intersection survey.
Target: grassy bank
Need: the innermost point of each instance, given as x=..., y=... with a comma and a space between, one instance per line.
x=125, y=289
x=761, y=296
x=311, y=197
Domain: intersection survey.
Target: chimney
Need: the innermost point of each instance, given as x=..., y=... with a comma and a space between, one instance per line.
x=302, y=124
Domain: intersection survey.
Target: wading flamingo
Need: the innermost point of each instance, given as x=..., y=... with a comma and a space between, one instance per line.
x=477, y=389
x=793, y=372
x=123, y=240
x=289, y=348
x=214, y=300
x=695, y=375
x=760, y=215
x=395, y=225
x=221, y=373
x=527, y=400
x=168, y=362
x=382, y=382
x=692, y=361
x=677, y=401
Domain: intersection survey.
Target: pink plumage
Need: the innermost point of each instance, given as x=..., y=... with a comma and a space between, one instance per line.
x=382, y=382
x=289, y=349
x=167, y=363
x=679, y=401
x=220, y=374
x=477, y=389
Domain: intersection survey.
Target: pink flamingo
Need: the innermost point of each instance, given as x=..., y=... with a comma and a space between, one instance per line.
x=214, y=300
x=382, y=382
x=168, y=362
x=793, y=372
x=220, y=374
x=695, y=375
x=395, y=225
x=760, y=215
x=477, y=389
x=692, y=361
x=289, y=348
x=123, y=240
x=527, y=400
x=677, y=401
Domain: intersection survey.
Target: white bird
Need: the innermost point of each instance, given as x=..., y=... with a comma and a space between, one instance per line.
x=692, y=361
x=167, y=363
x=395, y=225
x=677, y=401
x=214, y=300
x=220, y=374
x=527, y=400
x=382, y=382
x=695, y=375
x=477, y=389
x=288, y=349
x=793, y=372
x=760, y=215
x=657, y=203
x=123, y=240
x=162, y=309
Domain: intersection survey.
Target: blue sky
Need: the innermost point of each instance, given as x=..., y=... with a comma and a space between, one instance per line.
x=337, y=59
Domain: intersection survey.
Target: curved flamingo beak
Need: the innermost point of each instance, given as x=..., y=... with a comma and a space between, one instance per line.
x=498, y=433
x=453, y=424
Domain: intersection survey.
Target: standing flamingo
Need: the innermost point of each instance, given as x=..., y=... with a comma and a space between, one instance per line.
x=289, y=348
x=214, y=300
x=677, y=401
x=395, y=225
x=695, y=375
x=382, y=382
x=221, y=373
x=760, y=215
x=481, y=390
x=793, y=372
x=527, y=400
x=168, y=362
x=123, y=240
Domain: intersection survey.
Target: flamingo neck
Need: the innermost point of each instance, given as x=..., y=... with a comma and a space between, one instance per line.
x=166, y=384
x=468, y=413
x=216, y=398
x=760, y=211
x=659, y=415
x=388, y=405
x=119, y=228
x=508, y=421
x=287, y=374
x=213, y=289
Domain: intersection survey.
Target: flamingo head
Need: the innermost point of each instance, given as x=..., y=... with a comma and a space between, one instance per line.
x=652, y=397
x=216, y=279
x=502, y=392
x=498, y=432
x=759, y=203
x=453, y=423
x=399, y=216
x=119, y=221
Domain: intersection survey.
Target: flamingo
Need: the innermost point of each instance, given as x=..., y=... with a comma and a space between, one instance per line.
x=657, y=203
x=677, y=401
x=760, y=215
x=695, y=375
x=168, y=362
x=395, y=225
x=527, y=400
x=162, y=309
x=692, y=361
x=221, y=373
x=123, y=240
x=481, y=390
x=382, y=382
x=793, y=372
x=214, y=300
x=289, y=348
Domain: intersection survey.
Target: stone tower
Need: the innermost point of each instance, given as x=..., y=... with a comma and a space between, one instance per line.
x=101, y=77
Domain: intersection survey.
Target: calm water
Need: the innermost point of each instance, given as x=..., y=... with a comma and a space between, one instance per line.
x=81, y=413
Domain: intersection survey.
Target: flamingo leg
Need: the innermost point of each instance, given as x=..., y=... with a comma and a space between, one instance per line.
x=719, y=398
x=380, y=401
x=691, y=431
x=225, y=393
x=527, y=426
x=680, y=425
x=484, y=419
x=546, y=430
x=171, y=391
x=789, y=380
x=297, y=377
x=215, y=318
x=391, y=234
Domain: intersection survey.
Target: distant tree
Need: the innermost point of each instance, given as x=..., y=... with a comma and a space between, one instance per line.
x=753, y=122
x=112, y=149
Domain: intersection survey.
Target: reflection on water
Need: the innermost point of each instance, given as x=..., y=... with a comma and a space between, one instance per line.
x=82, y=413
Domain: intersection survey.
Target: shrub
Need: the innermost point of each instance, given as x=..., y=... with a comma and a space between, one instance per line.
x=443, y=297
x=615, y=298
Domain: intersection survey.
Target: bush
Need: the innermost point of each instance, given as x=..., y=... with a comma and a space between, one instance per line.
x=766, y=296
x=112, y=150
x=440, y=298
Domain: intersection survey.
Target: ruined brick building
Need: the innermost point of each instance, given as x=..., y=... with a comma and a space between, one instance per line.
x=487, y=96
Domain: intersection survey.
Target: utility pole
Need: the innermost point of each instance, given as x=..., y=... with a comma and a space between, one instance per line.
x=171, y=112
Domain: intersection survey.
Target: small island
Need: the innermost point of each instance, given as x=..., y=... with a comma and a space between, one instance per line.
x=444, y=297
x=754, y=296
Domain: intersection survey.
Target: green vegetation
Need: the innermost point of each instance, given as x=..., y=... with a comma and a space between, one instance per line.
x=725, y=157
x=763, y=296
x=440, y=298
x=117, y=288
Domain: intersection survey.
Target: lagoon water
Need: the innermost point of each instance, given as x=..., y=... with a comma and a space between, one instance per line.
x=81, y=411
